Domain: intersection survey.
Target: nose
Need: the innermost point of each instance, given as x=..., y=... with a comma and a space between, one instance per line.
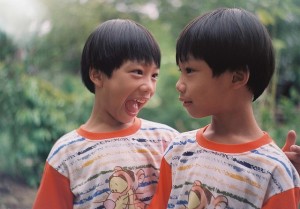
x=148, y=86
x=180, y=86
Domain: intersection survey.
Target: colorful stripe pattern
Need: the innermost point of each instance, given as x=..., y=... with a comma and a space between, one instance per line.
x=205, y=176
x=115, y=172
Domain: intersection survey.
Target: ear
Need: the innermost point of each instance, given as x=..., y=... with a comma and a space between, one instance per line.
x=140, y=176
x=96, y=77
x=240, y=77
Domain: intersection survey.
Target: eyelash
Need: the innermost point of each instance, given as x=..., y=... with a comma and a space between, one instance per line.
x=189, y=70
x=140, y=72
x=186, y=70
x=155, y=76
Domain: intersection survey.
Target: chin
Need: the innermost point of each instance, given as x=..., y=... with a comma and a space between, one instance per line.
x=197, y=115
x=192, y=114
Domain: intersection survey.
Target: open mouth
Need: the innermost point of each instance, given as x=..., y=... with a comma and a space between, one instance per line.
x=141, y=101
x=133, y=106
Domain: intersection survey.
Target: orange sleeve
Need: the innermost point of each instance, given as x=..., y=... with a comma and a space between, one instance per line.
x=163, y=190
x=288, y=199
x=54, y=191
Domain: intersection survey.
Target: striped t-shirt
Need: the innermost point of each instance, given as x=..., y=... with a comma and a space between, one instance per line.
x=208, y=175
x=108, y=170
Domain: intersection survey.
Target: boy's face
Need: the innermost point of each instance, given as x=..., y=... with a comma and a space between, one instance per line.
x=125, y=93
x=200, y=93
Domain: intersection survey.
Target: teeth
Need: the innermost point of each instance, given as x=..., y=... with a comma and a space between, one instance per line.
x=140, y=100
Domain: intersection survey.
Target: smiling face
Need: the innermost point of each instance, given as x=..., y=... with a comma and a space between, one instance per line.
x=121, y=97
x=200, y=93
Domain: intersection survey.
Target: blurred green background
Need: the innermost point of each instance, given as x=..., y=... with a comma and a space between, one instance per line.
x=41, y=94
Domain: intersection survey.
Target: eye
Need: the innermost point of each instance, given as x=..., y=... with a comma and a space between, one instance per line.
x=155, y=76
x=189, y=70
x=137, y=71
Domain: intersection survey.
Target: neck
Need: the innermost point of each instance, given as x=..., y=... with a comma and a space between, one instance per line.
x=234, y=128
x=97, y=125
x=103, y=123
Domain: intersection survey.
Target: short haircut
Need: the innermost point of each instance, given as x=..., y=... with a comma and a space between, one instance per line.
x=114, y=42
x=230, y=39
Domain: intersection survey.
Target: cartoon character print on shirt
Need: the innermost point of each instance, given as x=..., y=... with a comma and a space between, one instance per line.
x=201, y=198
x=123, y=184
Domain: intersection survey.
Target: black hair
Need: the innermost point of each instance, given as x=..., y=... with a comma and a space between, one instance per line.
x=230, y=39
x=114, y=42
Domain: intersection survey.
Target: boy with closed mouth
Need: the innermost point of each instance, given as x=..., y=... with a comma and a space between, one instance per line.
x=226, y=61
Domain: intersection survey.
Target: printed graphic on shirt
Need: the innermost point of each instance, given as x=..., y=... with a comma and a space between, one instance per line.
x=200, y=197
x=123, y=186
x=112, y=172
x=205, y=178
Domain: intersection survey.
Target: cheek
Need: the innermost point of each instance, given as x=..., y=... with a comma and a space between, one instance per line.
x=199, y=89
x=119, y=89
x=154, y=88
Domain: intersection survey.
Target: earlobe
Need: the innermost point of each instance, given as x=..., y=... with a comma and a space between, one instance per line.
x=96, y=77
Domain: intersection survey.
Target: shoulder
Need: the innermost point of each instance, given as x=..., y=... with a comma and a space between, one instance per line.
x=64, y=144
x=189, y=136
x=273, y=158
x=181, y=142
x=273, y=153
x=191, y=133
x=275, y=164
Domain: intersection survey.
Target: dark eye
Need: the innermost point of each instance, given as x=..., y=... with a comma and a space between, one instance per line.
x=139, y=72
x=155, y=76
x=189, y=70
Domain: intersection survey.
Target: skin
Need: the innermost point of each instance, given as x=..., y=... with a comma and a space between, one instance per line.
x=226, y=98
x=200, y=93
x=196, y=81
x=143, y=79
x=292, y=150
x=132, y=85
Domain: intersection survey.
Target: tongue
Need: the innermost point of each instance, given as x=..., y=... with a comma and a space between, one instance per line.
x=132, y=107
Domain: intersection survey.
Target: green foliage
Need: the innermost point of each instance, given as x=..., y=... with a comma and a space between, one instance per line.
x=34, y=115
x=7, y=47
x=284, y=118
x=42, y=96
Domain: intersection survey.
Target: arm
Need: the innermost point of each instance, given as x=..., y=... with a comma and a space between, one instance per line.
x=54, y=191
x=163, y=190
x=288, y=199
x=292, y=150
